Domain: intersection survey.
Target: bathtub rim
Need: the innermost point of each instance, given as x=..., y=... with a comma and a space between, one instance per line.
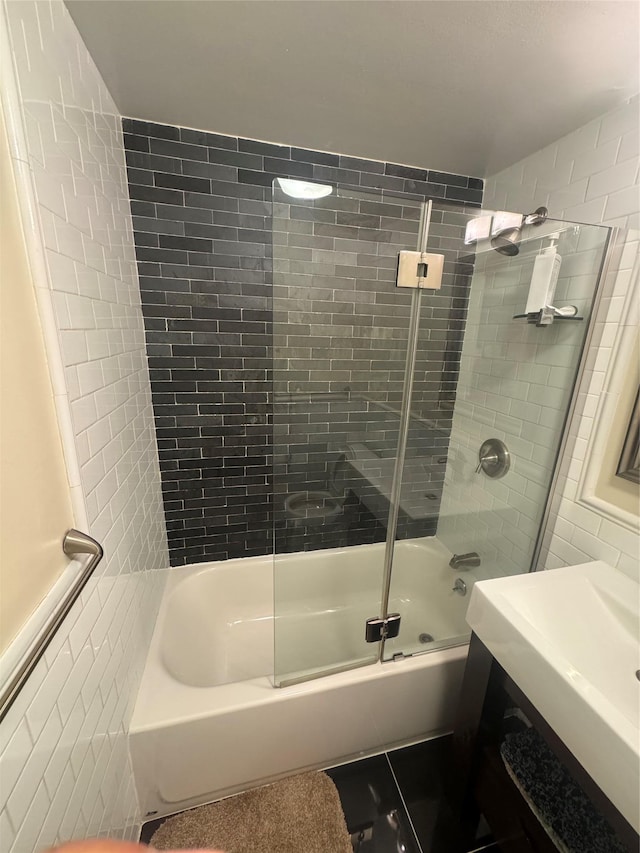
x=261, y=691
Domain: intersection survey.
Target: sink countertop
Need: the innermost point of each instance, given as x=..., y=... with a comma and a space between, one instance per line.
x=569, y=638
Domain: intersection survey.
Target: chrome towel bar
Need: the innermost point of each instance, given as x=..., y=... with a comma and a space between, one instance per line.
x=75, y=545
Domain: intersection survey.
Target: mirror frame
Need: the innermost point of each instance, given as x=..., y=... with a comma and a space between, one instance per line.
x=616, y=377
x=629, y=464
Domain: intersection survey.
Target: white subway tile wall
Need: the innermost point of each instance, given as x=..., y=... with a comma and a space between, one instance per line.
x=64, y=763
x=590, y=175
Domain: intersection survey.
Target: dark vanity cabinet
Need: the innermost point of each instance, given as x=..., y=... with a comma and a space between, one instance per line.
x=491, y=707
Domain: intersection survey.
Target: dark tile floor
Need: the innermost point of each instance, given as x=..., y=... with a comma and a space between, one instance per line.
x=391, y=802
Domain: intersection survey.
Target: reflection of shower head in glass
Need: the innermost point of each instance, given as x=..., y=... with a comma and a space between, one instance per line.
x=507, y=241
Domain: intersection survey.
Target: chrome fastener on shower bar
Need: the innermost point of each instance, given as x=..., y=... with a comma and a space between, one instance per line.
x=420, y=269
x=379, y=628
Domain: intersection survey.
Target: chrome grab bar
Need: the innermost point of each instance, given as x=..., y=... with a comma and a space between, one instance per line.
x=75, y=544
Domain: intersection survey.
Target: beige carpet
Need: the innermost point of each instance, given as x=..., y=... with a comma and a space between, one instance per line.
x=300, y=814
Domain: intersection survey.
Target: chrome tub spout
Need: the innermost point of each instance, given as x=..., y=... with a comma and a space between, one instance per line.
x=464, y=561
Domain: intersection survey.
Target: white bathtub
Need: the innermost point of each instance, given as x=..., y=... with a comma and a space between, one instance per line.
x=209, y=722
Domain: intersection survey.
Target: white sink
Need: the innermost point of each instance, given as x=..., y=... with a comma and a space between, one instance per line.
x=569, y=638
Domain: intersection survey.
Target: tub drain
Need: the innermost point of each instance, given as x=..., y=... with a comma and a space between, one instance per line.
x=425, y=638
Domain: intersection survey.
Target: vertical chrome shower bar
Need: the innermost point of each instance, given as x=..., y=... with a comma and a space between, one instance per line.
x=403, y=432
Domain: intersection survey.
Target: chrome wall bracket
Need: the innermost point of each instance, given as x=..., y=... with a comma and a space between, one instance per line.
x=378, y=629
x=420, y=269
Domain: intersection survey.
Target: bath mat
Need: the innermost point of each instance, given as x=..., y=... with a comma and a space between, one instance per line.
x=300, y=813
x=561, y=806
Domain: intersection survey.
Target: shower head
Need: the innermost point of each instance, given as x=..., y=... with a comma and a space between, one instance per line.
x=507, y=242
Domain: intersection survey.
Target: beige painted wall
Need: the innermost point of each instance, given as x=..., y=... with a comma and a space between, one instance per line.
x=35, y=507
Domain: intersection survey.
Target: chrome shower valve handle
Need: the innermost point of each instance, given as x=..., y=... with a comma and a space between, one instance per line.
x=494, y=459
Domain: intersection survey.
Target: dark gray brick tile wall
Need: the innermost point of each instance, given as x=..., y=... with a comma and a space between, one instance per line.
x=204, y=234
x=339, y=357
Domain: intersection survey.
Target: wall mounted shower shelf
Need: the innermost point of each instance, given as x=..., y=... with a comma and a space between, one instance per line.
x=536, y=319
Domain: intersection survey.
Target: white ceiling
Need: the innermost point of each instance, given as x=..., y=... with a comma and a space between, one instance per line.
x=466, y=86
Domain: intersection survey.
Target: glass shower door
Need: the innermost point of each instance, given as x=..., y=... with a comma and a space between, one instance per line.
x=383, y=398
x=512, y=379
x=340, y=341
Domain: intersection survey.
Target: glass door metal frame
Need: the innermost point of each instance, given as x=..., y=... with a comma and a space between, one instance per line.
x=403, y=431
